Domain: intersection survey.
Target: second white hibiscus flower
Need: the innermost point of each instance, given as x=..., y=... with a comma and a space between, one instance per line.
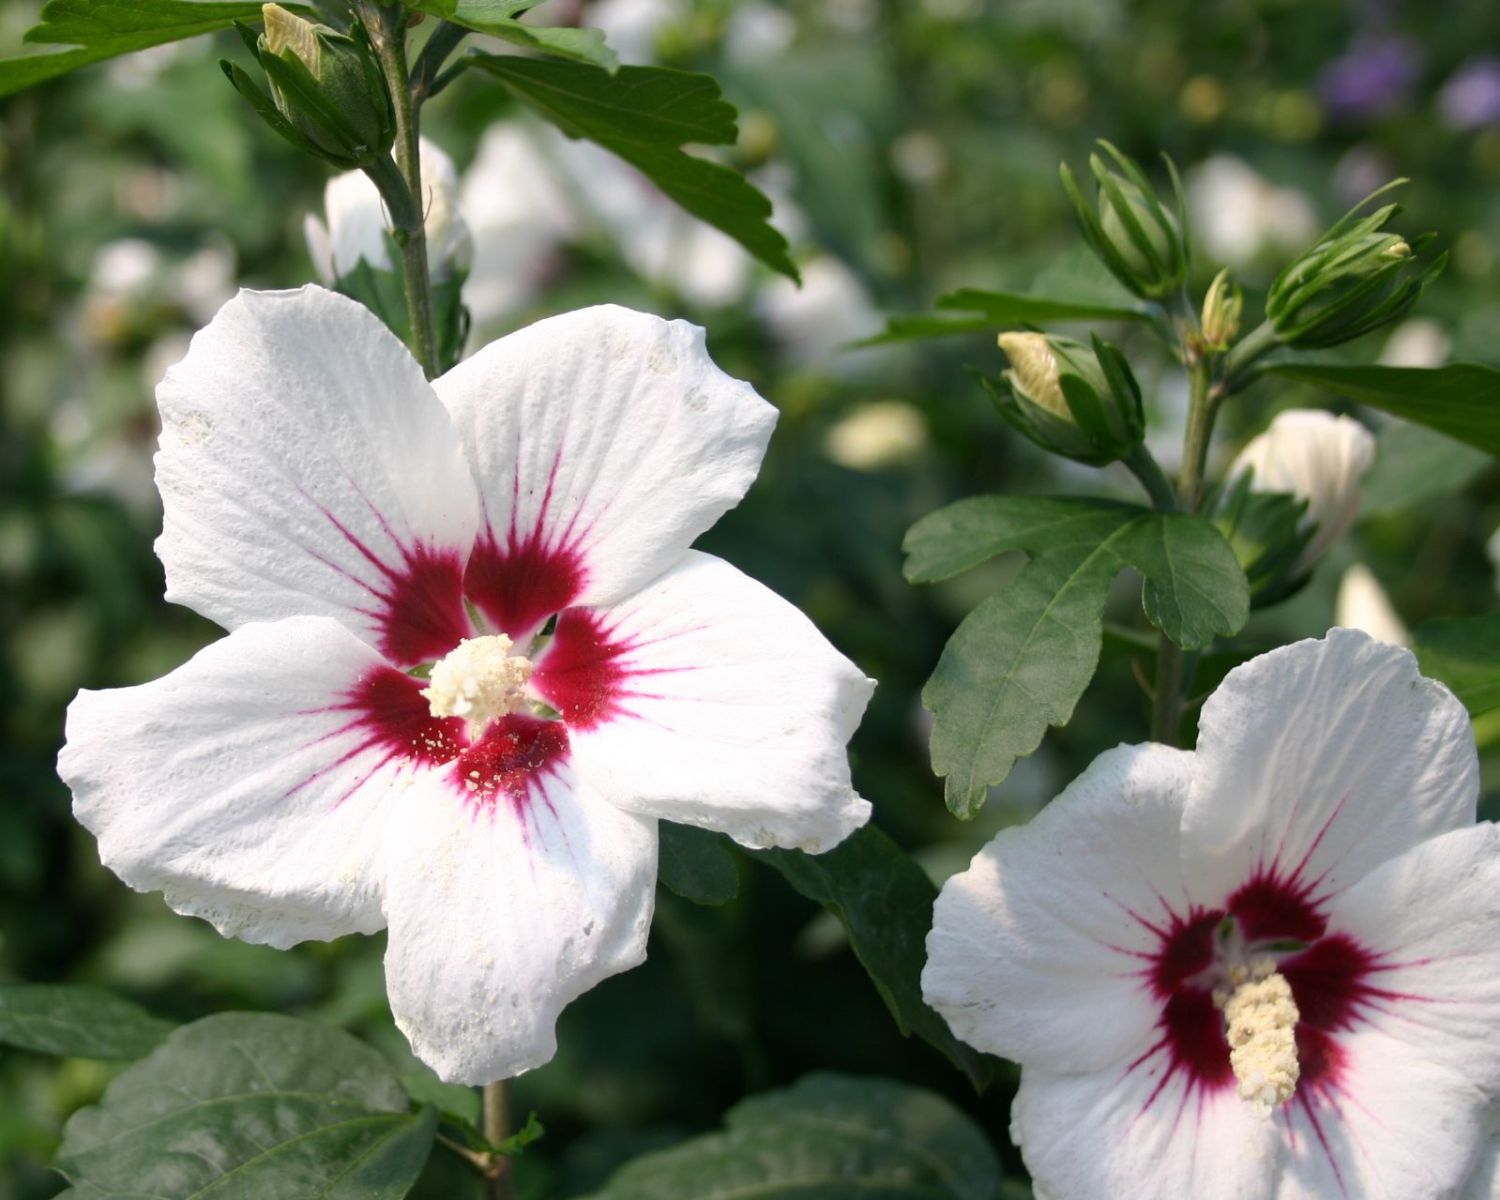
x=521, y=525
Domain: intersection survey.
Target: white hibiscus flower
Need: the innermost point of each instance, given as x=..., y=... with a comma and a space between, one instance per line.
x=523, y=522
x=1268, y=968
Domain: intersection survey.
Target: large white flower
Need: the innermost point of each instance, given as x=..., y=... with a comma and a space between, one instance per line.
x=1267, y=969
x=1319, y=458
x=523, y=523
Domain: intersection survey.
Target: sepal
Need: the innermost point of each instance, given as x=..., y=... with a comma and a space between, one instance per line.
x=1268, y=534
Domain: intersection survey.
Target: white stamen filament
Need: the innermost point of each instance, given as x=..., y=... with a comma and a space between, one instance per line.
x=479, y=680
x=1261, y=1017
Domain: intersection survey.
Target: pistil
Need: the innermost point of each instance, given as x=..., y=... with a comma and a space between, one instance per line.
x=1260, y=1016
x=480, y=680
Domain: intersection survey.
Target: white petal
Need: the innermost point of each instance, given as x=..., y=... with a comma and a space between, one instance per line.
x=1044, y=949
x=1397, y=1126
x=250, y=785
x=306, y=468
x=604, y=442
x=1126, y=1135
x=1319, y=761
x=1429, y=920
x=708, y=699
x=507, y=902
x=1484, y=1183
x=357, y=223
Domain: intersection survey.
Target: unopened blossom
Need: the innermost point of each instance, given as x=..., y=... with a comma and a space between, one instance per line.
x=471, y=659
x=357, y=225
x=1319, y=458
x=1265, y=969
x=1361, y=603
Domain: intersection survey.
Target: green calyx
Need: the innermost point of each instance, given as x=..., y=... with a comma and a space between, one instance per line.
x=1143, y=244
x=328, y=95
x=1267, y=533
x=1356, y=279
x=1080, y=401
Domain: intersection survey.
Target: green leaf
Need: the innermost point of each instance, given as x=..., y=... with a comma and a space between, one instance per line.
x=1464, y=653
x=1461, y=400
x=1020, y=661
x=827, y=1137
x=241, y=1105
x=102, y=29
x=646, y=115
x=884, y=901
x=696, y=864
x=498, y=19
x=1016, y=308
x=1414, y=465
x=77, y=1022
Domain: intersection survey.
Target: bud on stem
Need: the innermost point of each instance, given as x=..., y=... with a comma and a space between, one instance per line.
x=1135, y=236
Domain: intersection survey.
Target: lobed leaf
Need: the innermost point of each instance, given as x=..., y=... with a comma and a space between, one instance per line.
x=77, y=1022
x=101, y=29
x=498, y=18
x=827, y=1135
x=697, y=864
x=646, y=115
x=250, y=1105
x=884, y=901
x=1461, y=400
x=1019, y=662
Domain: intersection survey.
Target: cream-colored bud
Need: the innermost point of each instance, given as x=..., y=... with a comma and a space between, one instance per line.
x=287, y=31
x=1222, y=307
x=1036, y=371
x=1397, y=249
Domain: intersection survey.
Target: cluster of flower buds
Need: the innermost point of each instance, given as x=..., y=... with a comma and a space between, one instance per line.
x=328, y=94
x=1143, y=244
x=1356, y=279
x=1075, y=400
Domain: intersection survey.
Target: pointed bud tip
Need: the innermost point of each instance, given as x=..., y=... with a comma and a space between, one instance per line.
x=285, y=30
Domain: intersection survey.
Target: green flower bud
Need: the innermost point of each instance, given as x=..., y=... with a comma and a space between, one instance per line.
x=1135, y=236
x=328, y=94
x=1222, y=308
x=1078, y=401
x=1356, y=279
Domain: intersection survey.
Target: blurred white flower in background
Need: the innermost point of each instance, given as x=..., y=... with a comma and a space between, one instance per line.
x=1362, y=604
x=830, y=310
x=1317, y=457
x=877, y=435
x=1417, y=342
x=357, y=225
x=1238, y=216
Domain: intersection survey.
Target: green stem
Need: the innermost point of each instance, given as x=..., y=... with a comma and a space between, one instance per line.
x=387, y=28
x=499, y=1180
x=443, y=41
x=1260, y=340
x=1143, y=465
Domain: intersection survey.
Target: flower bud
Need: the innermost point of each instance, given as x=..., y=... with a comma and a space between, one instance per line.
x=1133, y=234
x=328, y=95
x=1313, y=460
x=1075, y=400
x=1222, y=307
x=1357, y=278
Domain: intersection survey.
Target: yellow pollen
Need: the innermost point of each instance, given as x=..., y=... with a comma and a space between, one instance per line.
x=480, y=680
x=1261, y=1017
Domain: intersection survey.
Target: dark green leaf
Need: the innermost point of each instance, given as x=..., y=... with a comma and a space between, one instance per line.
x=1015, y=308
x=77, y=1022
x=1461, y=400
x=1464, y=653
x=646, y=115
x=1414, y=464
x=828, y=1137
x=104, y=29
x=250, y=1105
x=905, y=329
x=697, y=865
x=498, y=18
x=884, y=901
x=1020, y=661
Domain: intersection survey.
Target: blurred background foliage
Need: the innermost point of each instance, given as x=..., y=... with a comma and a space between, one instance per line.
x=912, y=148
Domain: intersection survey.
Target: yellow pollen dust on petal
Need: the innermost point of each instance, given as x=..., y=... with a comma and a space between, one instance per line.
x=479, y=680
x=1260, y=1017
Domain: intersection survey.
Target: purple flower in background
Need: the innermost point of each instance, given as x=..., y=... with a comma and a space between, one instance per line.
x=1373, y=77
x=1471, y=97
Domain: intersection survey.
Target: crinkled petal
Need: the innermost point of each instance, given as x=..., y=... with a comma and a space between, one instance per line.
x=1319, y=761
x=1044, y=949
x=707, y=699
x=307, y=469
x=252, y=783
x=1392, y=1124
x=512, y=888
x=604, y=441
x=1122, y=1134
